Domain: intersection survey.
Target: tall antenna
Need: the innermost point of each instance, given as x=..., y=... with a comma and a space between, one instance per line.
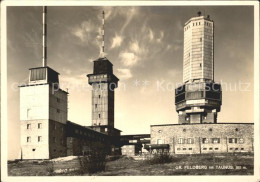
x=44, y=36
x=103, y=35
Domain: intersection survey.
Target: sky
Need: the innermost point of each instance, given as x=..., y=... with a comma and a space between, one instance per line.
x=145, y=45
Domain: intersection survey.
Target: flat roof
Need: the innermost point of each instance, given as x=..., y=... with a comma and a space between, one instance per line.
x=199, y=124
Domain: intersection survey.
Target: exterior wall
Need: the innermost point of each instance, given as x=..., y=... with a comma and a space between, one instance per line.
x=102, y=104
x=33, y=111
x=57, y=139
x=198, y=49
x=171, y=134
x=40, y=109
x=131, y=150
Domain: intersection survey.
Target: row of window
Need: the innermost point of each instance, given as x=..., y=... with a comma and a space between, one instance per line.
x=209, y=140
x=29, y=126
x=197, y=24
x=188, y=118
x=39, y=139
x=89, y=134
x=211, y=148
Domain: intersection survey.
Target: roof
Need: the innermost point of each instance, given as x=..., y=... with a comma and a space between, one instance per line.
x=200, y=124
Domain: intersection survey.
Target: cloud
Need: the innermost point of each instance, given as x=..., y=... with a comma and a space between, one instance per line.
x=159, y=39
x=85, y=31
x=129, y=16
x=128, y=58
x=124, y=74
x=116, y=41
x=134, y=46
x=151, y=35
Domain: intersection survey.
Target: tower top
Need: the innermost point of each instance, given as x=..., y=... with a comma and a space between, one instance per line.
x=102, y=54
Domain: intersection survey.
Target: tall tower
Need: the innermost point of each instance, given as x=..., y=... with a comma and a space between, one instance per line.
x=43, y=111
x=199, y=99
x=103, y=83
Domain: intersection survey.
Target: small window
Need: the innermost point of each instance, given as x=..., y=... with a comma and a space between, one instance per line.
x=210, y=129
x=160, y=131
x=200, y=66
x=215, y=140
x=184, y=149
x=205, y=140
x=204, y=148
x=216, y=148
x=200, y=39
x=39, y=125
x=99, y=96
x=184, y=130
x=33, y=150
x=187, y=118
x=210, y=148
x=236, y=129
x=178, y=149
x=54, y=139
x=98, y=115
x=242, y=148
x=181, y=141
x=236, y=148
x=190, y=148
x=28, y=139
x=95, y=105
x=241, y=140
x=28, y=126
x=190, y=141
x=232, y=140
x=39, y=138
x=230, y=148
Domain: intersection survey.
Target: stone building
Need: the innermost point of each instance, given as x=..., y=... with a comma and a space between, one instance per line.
x=197, y=102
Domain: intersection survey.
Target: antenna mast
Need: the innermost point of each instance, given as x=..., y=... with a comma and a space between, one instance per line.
x=103, y=35
x=44, y=36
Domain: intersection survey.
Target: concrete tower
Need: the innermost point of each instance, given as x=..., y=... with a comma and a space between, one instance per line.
x=43, y=111
x=199, y=99
x=103, y=83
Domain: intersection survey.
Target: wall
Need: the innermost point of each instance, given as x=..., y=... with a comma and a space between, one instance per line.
x=170, y=134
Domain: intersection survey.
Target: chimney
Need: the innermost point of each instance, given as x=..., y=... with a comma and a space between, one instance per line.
x=44, y=36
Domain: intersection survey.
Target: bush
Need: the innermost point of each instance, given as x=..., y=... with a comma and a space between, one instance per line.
x=161, y=159
x=95, y=161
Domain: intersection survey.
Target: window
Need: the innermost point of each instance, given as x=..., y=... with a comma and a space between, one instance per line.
x=190, y=141
x=184, y=149
x=236, y=148
x=187, y=118
x=216, y=148
x=184, y=130
x=215, y=140
x=159, y=141
x=200, y=39
x=205, y=140
x=236, y=129
x=54, y=139
x=242, y=148
x=210, y=148
x=200, y=65
x=181, y=141
x=39, y=138
x=204, y=148
x=178, y=149
x=39, y=125
x=230, y=148
x=95, y=105
x=33, y=150
x=210, y=129
x=98, y=115
x=190, y=148
x=232, y=140
x=28, y=126
x=99, y=96
x=241, y=140
x=28, y=139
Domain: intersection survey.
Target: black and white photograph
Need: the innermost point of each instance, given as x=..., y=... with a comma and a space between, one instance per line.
x=130, y=89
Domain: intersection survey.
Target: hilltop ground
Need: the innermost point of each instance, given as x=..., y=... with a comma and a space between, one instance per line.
x=206, y=164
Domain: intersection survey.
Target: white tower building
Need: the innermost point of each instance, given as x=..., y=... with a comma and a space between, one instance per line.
x=43, y=111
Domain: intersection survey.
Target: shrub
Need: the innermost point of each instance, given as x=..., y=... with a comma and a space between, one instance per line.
x=161, y=159
x=50, y=168
x=95, y=161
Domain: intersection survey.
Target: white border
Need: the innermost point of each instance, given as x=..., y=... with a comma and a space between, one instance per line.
x=4, y=128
